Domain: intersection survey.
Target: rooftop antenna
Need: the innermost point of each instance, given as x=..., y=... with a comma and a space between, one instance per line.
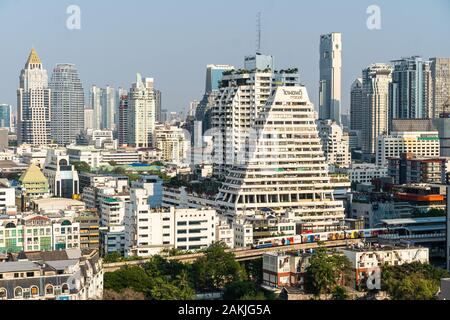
x=258, y=33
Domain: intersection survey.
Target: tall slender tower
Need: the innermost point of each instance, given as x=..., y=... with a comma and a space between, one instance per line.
x=33, y=103
x=330, y=77
x=108, y=102
x=96, y=105
x=356, y=112
x=141, y=113
x=67, y=104
x=375, y=100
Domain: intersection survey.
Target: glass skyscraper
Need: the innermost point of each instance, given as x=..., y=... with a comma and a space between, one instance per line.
x=67, y=104
x=5, y=116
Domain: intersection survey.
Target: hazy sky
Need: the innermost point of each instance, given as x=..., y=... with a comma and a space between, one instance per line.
x=173, y=40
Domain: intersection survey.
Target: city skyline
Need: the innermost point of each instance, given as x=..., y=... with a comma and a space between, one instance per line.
x=98, y=52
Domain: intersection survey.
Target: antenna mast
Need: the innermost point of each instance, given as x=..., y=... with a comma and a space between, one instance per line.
x=258, y=33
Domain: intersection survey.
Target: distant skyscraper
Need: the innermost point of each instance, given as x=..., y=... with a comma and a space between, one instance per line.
x=440, y=74
x=88, y=118
x=410, y=90
x=214, y=74
x=6, y=120
x=122, y=128
x=96, y=105
x=330, y=77
x=108, y=106
x=141, y=113
x=356, y=112
x=67, y=112
x=158, y=105
x=33, y=103
x=375, y=100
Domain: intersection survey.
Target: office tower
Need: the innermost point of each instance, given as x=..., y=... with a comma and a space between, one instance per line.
x=241, y=97
x=6, y=116
x=158, y=105
x=108, y=106
x=67, y=104
x=335, y=143
x=141, y=113
x=214, y=74
x=259, y=62
x=284, y=168
x=440, y=74
x=330, y=77
x=375, y=100
x=356, y=112
x=96, y=105
x=88, y=118
x=410, y=90
x=33, y=103
x=122, y=128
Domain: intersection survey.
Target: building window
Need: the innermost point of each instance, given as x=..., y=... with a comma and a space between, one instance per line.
x=34, y=291
x=49, y=290
x=18, y=292
x=3, y=293
x=65, y=288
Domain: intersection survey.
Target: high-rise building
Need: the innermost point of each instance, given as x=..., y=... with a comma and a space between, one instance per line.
x=88, y=118
x=6, y=117
x=410, y=90
x=108, y=106
x=375, y=99
x=67, y=104
x=356, y=111
x=96, y=105
x=173, y=142
x=33, y=103
x=285, y=167
x=440, y=74
x=141, y=113
x=120, y=92
x=122, y=129
x=330, y=77
x=335, y=143
x=241, y=98
x=158, y=105
x=214, y=75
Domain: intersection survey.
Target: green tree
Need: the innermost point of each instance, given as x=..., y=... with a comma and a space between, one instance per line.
x=216, y=268
x=339, y=293
x=82, y=166
x=119, y=170
x=327, y=270
x=112, y=257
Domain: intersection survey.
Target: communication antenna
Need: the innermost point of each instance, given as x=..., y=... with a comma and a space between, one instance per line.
x=258, y=33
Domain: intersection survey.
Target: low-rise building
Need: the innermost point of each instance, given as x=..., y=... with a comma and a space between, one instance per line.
x=364, y=172
x=409, y=169
x=60, y=275
x=368, y=261
x=285, y=269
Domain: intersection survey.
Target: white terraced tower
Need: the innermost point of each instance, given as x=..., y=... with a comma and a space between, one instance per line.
x=286, y=167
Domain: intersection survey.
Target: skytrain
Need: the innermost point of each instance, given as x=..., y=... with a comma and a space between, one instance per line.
x=318, y=237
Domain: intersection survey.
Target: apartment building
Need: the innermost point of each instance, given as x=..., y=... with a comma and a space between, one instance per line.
x=421, y=144
x=364, y=172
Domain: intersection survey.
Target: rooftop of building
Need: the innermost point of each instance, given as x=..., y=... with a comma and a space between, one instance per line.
x=430, y=220
x=18, y=266
x=378, y=248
